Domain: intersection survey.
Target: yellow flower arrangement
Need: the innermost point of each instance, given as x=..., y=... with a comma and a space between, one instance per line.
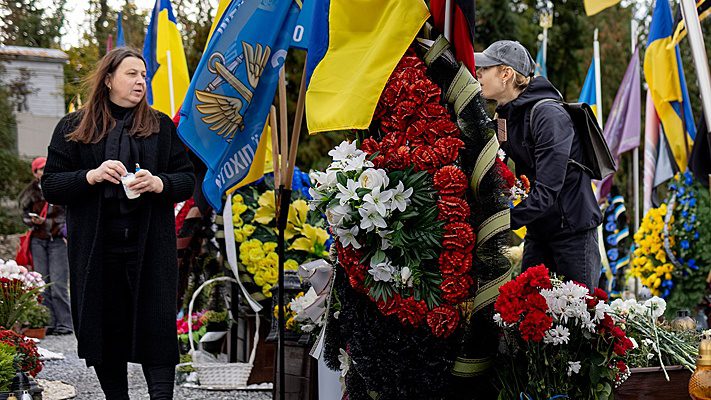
x=289, y=314
x=242, y=231
x=650, y=263
x=262, y=262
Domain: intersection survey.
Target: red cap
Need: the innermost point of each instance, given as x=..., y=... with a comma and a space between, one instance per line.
x=38, y=163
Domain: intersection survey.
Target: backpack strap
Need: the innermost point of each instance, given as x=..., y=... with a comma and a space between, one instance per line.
x=530, y=123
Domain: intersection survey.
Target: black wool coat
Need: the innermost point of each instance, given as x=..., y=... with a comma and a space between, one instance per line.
x=64, y=182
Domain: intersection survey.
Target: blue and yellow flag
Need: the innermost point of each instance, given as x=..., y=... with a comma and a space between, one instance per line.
x=589, y=93
x=665, y=77
x=224, y=113
x=366, y=40
x=167, y=76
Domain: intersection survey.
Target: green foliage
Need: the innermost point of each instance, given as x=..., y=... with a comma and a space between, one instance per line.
x=36, y=316
x=29, y=23
x=215, y=316
x=7, y=368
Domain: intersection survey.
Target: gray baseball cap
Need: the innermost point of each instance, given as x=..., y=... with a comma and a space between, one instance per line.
x=507, y=52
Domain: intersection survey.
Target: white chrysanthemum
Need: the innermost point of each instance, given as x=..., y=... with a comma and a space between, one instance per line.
x=557, y=335
x=573, y=367
x=657, y=306
x=601, y=308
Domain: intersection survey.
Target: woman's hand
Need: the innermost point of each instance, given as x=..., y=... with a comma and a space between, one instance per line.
x=109, y=170
x=146, y=182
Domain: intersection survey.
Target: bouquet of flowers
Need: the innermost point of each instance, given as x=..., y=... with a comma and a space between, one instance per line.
x=21, y=289
x=199, y=328
x=254, y=224
x=672, y=255
x=561, y=339
x=390, y=226
x=27, y=357
x=658, y=344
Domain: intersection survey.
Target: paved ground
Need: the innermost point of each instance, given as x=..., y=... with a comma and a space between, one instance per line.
x=73, y=371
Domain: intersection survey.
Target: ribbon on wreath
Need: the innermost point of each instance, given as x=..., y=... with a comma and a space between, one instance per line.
x=462, y=91
x=526, y=396
x=321, y=274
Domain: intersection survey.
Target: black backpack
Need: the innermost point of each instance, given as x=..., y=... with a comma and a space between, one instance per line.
x=597, y=160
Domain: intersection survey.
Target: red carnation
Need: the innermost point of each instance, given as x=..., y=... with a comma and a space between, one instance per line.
x=419, y=134
x=454, y=262
x=453, y=209
x=443, y=320
x=450, y=181
x=458, y=236
x=435, y=112
x=600, y=294
x=370, y=146
x=535, y=278
x=425, y=159
x=506, y=174
x=455, y=289
x=534, y=326
x=621, y=366
x=389, y=307
x=398, y=159
x=509, y=303
x=535, y=302
x=411, y=311
x=447, y=149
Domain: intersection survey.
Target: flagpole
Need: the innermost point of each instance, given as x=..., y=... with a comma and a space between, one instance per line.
x=698, y=52
x=170, y=84
x=448, y=20
x=598, y=79
x=635, y=153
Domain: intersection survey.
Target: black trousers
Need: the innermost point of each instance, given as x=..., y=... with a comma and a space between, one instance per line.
x=575, y=256
x=120, y=269
x=113, y=378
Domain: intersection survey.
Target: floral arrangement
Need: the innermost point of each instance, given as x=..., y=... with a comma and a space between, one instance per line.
x=659, y=345
x=516, y=188
x=671, y=256
x=561, y=339
x=290, y=313
x=21, y=289
x=254, y=223
x=199, y=327
x=26, y=356
x=398, y=209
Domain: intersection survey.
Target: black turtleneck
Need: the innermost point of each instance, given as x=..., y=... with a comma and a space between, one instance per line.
x=119, y=112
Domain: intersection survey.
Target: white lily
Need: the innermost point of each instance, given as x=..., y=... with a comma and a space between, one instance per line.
x=348, y=237
x=379, y=200
x=347, y=193
x=401, y=197
x=370, y=218
x=343, y=151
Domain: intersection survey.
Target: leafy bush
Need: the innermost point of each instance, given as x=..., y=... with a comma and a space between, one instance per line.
x=7, y=367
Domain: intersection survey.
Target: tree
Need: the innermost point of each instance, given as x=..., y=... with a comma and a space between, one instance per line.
x=25, y=23
x=194, y=21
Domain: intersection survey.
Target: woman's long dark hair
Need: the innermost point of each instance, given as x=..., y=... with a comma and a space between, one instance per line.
x=96, y=120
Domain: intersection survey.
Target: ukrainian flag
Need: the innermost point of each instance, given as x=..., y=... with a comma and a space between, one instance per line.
x=167, y=76
x=667, y=85
x=589, y=93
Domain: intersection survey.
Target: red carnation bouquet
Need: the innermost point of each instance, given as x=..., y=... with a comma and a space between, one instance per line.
x=561, y=339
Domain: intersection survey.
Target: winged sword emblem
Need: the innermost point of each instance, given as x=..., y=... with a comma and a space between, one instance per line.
x=221, y=112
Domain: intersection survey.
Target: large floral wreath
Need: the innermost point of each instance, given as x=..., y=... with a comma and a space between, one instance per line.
x=397, y=206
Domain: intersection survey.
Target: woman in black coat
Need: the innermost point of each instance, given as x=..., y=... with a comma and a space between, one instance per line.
x=122, y=251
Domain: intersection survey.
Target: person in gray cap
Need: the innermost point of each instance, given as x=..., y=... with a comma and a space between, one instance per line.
x=560, y=214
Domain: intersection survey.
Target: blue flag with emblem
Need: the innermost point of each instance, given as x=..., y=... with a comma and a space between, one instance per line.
x=229, y=97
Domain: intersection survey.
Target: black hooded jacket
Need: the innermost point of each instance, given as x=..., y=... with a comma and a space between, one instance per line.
x=561, y=197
